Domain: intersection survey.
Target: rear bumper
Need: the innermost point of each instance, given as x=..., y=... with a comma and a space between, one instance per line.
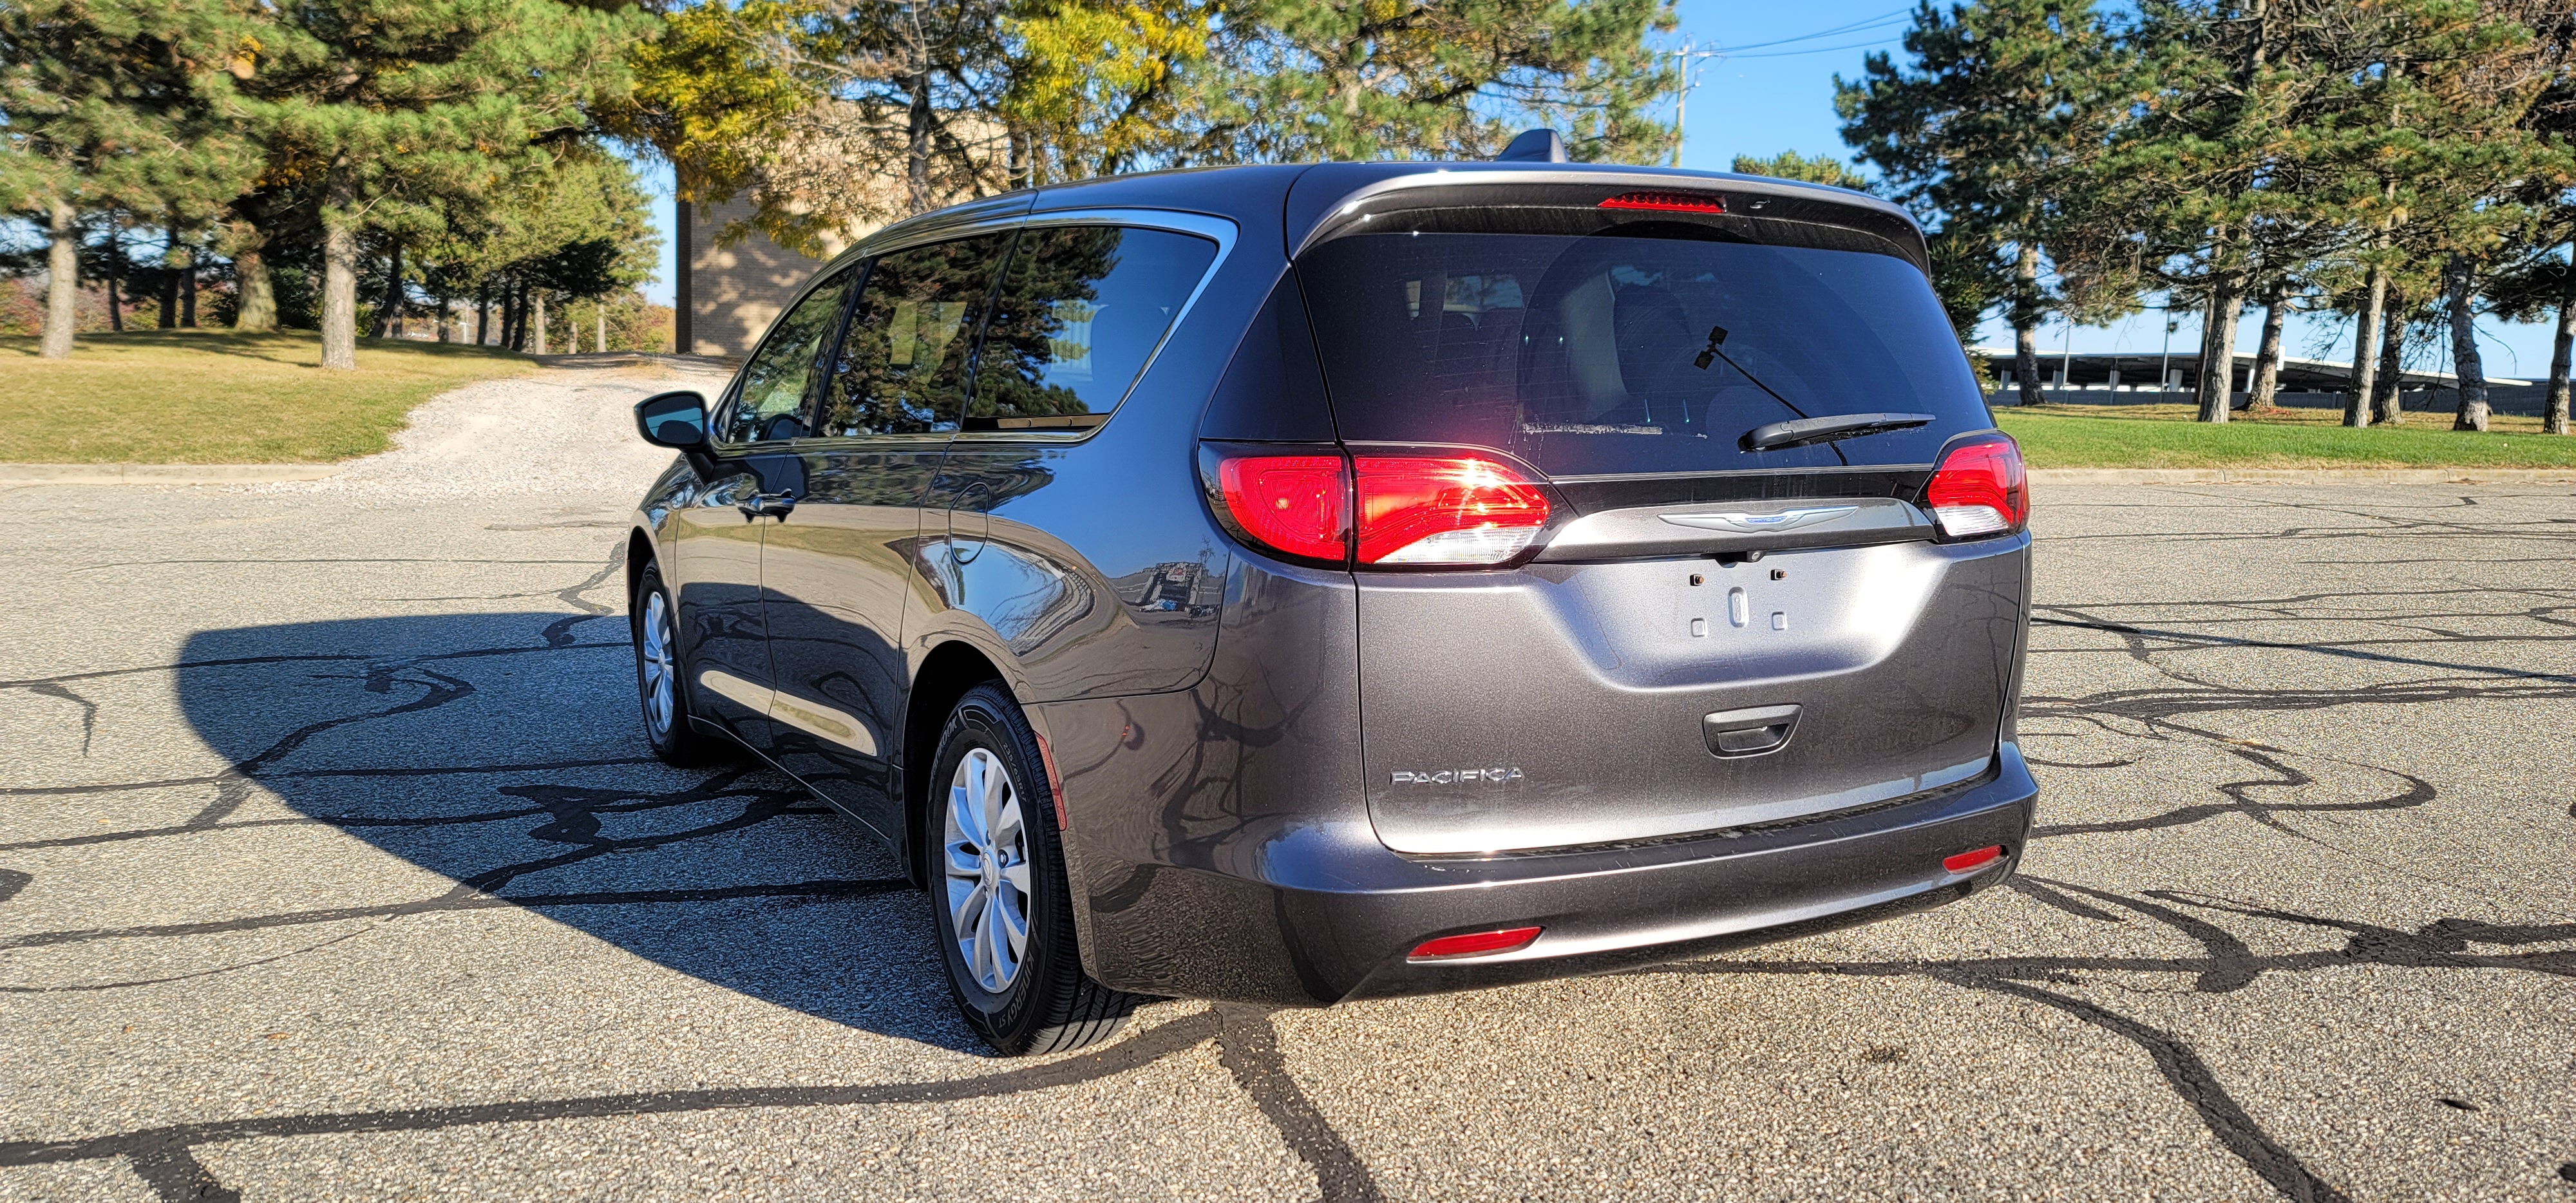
x=1317, y=911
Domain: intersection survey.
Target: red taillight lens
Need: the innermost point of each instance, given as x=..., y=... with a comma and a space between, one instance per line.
x=1458, y=510
x=1969, y=860
x=1297, y=504
x=1668, y=202
x=1476, y=944
x=1980, y=489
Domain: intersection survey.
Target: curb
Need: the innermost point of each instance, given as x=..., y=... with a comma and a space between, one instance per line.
x=161, y=474
x=2294, y=476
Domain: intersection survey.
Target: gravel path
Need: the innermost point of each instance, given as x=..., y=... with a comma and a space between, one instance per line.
x=559, y=431
x=331, y=866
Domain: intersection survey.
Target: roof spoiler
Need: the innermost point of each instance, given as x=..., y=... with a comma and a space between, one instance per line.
x=1534, y=146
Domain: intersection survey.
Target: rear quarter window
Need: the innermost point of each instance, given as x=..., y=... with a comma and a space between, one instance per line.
x=1615, y=355
x=1079, y=312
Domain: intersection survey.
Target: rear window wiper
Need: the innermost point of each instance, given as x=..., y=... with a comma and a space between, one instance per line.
x=1825, y=430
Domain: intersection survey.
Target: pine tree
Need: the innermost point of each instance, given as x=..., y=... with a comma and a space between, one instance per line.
x=114, y=103
x=1983, y=134
x=391, y=105
x=835, y=117
x=1790, y=165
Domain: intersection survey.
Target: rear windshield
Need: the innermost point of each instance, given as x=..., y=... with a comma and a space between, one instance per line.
x=1603, y=355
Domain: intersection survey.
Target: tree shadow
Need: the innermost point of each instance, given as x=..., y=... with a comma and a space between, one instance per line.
x=503, y=752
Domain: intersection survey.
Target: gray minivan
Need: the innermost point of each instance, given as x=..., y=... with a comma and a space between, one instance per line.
x=1300, y=583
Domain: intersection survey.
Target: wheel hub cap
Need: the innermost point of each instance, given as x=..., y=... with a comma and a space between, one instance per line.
x=985, y=849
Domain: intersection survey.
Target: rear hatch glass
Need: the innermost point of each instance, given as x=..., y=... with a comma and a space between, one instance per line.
x=1609, y=354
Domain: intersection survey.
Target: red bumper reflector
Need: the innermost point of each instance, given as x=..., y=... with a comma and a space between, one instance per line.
x=1477, y=944
x=1969, y=860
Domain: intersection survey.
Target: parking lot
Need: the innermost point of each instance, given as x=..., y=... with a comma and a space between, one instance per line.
x=332, y=864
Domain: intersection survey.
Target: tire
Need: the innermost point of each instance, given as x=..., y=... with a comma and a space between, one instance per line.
x=1037, y=998
x=661, y=681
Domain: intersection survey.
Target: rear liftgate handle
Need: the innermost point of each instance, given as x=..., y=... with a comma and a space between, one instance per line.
x=1749, y=732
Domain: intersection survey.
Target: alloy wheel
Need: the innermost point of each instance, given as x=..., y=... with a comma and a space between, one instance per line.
x=987, y=863
x=660, y=667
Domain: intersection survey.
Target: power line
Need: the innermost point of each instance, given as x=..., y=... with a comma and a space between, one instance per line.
x=1854, y=27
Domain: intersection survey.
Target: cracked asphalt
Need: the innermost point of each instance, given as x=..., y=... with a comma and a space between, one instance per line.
x=332, y=866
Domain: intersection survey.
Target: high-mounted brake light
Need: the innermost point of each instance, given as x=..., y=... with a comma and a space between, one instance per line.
x=1668, y=202
x=1450, y=510
x=1980, y=489
x=1476, y=944
x=1298, y=504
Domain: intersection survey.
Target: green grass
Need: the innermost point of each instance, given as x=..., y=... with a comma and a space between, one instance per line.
x=2164, y=436
x=216, y=397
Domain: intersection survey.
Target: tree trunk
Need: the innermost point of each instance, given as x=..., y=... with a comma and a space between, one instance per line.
x=2218, y=349
x=2365, y=348
x=168, y=318
x=599, y=325
x=62, y=282
x=389, y=311
x=257, y=308
x=339, y=294
x=2386, y=399
x=2026, y=327
x=537, y=319
x=518, y=331
x=917, y=152
x=2469, y=370
x=483, y=313
x=115, y=275
x=188, y=289
x=2267, y=354
x=2553, y=418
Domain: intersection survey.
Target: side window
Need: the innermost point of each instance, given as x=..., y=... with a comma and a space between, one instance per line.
x=1079, y=311
x=902, y=367
x=771, y=404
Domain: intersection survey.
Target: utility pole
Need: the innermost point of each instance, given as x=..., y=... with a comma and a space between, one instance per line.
x=2164, y=366
x=1693, y=60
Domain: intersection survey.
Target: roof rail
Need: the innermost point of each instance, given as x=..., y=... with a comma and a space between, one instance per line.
x=1534, y=146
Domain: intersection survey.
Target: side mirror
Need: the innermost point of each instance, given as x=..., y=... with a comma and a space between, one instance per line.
x=674, y=420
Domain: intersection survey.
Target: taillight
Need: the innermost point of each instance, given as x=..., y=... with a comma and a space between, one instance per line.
x=1979, y=489
x=1297, y=504
x=1449, y=510
x=1411, y=511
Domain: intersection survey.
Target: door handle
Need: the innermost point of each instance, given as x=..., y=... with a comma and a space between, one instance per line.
x=767, y=505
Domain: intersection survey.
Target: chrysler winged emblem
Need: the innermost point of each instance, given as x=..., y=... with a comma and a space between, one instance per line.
x=1758, y=524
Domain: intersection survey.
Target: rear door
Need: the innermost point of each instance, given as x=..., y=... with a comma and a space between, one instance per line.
x=1082, y=310
x=719, y=536
x=1709, y=636
x=838, y=572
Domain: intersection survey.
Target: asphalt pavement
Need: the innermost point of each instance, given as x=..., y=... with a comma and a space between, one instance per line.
x=332, y=865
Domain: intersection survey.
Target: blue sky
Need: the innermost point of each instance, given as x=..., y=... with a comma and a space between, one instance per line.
x=1774, y=91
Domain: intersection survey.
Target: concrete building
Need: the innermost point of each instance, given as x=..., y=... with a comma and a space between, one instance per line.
x=725, y=297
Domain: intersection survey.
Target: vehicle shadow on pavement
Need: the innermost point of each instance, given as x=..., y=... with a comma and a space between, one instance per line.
x=503, y=753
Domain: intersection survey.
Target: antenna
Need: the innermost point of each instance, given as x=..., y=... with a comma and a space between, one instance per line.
x=1534, y=146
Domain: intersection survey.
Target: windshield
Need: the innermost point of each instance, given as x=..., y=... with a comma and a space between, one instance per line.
x=1617, y=355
